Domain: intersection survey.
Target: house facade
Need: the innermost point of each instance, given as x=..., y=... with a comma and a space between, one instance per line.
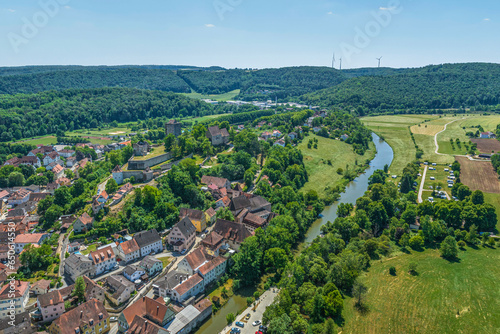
x=183, y=235
x=129, y=251
x=149, y=242
x=103, y=260
x=14, y=298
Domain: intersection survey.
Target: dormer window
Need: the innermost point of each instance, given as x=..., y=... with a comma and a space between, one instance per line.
x=91, y=322
x=77, y=330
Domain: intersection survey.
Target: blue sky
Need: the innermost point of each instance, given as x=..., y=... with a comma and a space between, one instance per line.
x=248, y=33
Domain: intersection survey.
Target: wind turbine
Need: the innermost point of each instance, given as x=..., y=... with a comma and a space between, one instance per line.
x=340, y=64
x=333, y=61
x=379, y=60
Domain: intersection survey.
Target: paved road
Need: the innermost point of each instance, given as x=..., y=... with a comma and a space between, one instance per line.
x=422, y=182
x=265, y=300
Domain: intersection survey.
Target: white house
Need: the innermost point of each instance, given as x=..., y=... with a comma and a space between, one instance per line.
x=148, y=242
x=14, y=297
x=129, y=251
x=103, y=259
x=133, y=272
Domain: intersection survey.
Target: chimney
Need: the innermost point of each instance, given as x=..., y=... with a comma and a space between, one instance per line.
x=81, y=314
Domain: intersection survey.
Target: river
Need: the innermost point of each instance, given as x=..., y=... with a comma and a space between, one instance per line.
x=353, y=191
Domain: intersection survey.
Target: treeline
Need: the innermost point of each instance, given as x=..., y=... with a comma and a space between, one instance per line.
x=242, y=117
x=24, y=116
x=419, y=90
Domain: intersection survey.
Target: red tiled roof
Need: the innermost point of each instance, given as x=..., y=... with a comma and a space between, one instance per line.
x=188, y=284
x=19, y=286
x=29, y=238
x=146, y=306
x=211, y=265
x=102, y=255
x=129, y=246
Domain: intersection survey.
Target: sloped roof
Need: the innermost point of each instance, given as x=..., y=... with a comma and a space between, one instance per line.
x=186, y=226
x=218, y=181
x=81, y=315
x=146, y=306
x=102, y=255
x=196, y=258
x=188, y=284
x=129, y=246
x=233, y=231
x=191, y=213
x=211, y=265
x=29, y=238
x=210, y=212
x=146, y=238
x=212, y=239
x=50, y=298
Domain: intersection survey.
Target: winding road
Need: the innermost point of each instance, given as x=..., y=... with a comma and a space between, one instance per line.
x=422, y=181
x=436, y=136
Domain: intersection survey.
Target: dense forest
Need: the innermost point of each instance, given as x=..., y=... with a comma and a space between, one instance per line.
x=431, y=87
x=255, y=84
x=153, y=79
x=39, y=114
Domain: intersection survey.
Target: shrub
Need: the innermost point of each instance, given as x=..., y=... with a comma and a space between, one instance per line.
x=412, y=268
x=416, y=242
x=461, y=244
x=392, y=271
x=230, y=318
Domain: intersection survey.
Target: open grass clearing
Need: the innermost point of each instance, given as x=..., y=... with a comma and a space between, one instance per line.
x=165, y=260
x=155, y=151
x=445, y=297
x=479, y=175
x=440, y=180
x=494, y=199
x=217, y=97
x=341, y=155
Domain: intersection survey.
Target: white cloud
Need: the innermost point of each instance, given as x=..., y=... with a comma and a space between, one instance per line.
x=330, y=13
x=11, y=10
x=486, y=19
x=209, y=25
x=67, y=7
x=387, y=8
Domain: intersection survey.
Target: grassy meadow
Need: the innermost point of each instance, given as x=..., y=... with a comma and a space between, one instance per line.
x=316, y=162
x=394, y=129
x=445, y=297
x=217, y=97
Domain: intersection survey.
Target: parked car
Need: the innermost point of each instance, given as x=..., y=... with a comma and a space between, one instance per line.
x=235, y=330
x=248, y=316
x=113, y=319
x=256, y=323
x=183, y=252
x=239, y=324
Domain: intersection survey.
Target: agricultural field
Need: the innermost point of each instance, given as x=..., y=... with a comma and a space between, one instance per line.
x=46, y=140
x=444, y=297
x=487, y=146
x=395, y=130
x=316, y=162
x=494, y=199
x=427, y=129
x=217, y=97
x=479, y=175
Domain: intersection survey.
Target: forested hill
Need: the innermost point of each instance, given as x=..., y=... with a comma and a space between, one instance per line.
x=31, y=115
x=19, y=70
x=133, y=77
x=431, y=87
x=255, y=84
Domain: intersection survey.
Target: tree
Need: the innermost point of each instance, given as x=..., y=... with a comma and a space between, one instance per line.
x=16, y=179
x=392, y=270
x=111, y=186
x=462, y=192
x=449, y=248
x=477, y=197
x=230, y=318
x=416, y=242
x=248, y=177
x=62, y=196
x=79, y=289
x=358, y=292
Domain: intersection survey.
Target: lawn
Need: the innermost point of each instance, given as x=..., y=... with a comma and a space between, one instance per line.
x=218, y=292
x=494, y=199
x=445, y=297
x=321, y=174
x=89, y=249
x=217, y=97
x=165, y=260
x=155, y=151
x=46, y=140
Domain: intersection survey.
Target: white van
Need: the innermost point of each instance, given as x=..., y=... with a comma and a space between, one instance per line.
x=433, y=178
